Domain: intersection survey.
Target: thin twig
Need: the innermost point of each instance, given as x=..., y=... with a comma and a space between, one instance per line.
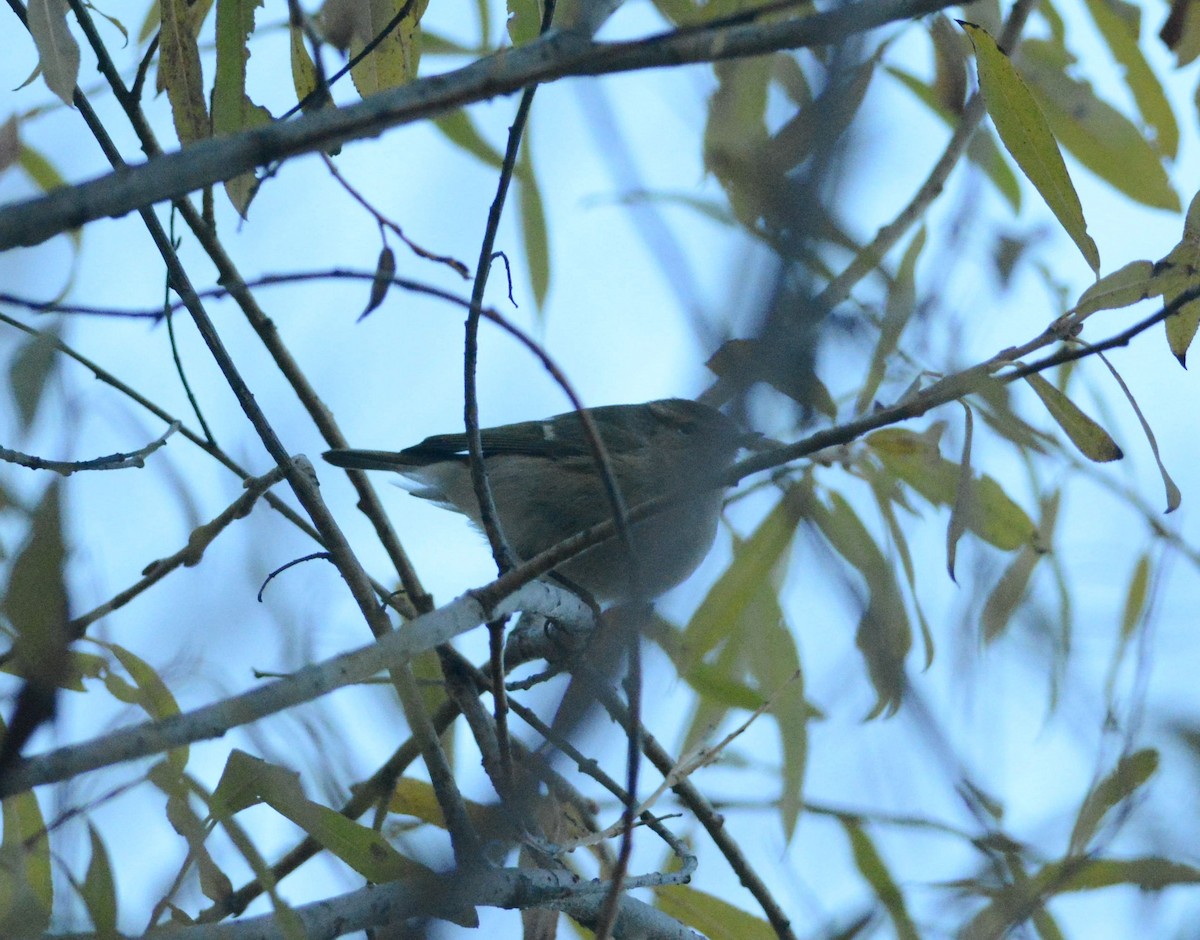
x=118, y=461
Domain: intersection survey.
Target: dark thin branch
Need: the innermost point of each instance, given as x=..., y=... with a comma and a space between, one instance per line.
x=555, y=56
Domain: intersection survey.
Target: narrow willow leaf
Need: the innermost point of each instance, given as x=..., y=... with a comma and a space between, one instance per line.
x=871, y=866
x=884, y=635
x=1135, y=599
x=1131, y=772
x=949, y=64
x=1091, y=439
x=99, y=891
x=304, y=70
x=1007, y=594
x=58, y=52
x=1174, y=496
x=461, y=130
x=232, y=110
x=1124, y=286
x=1094, y=132
x=29, y=372
x=1025, y=133
x=533, y=229
x=735, y=134
x=149, y=693
x=962, y=497
x=385, y=270
x=26, y=888
x=709, y=915
x=180, y=73
x=901, y=302
x=1147, y=90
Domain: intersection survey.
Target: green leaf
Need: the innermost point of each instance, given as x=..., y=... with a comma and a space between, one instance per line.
x=26, y=888
x=461, y=130
x=917, y=460
x=735, y=134
x=884, y=636
x=963, y=495
x=304, y=70
x=709, y=915
x=393, y=62
x=901, y=303
x=1025, y=133
x=232, y=110
x=35, y=600
x=58, y=52
x=1007, y=594
x=29, y=372
x=180, y=74
x=1131, y=772
x=148, y=692
x=871, y=865
x=1121, y=34
x=1091, y=439
x=1125, y=286
x=247, y=780
x=533, y=229
x=1135, y=599
x=524, y=20
x=98, y=890
x=1095, y=133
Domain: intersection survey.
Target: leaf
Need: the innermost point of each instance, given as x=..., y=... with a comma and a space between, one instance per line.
x=26, y=887
x=735, y=133
x=917, y=460
x=10, y=143
x=1135, y=599
x=1131, y=772
x=533, y=230
x=29, y=372
x=709, y=915
x=149, y=692
x=1125, y=286
x=884, y=636
x=180, y=74
x=304, y=72
x=393, y=62
x=1091, y=439
x=1174, y=496
x=1122, y=38
x=1025, y=133
x=901, y=302
x=524, y=20
x=58, y=52
x=1007, y=594
x=1095, y=133
x=98, y=890
x=461, y=130
x=871, y=866
x=962, y=496
x=247, y=780
x=232, y=110
x=385, y=270
x=35, y=600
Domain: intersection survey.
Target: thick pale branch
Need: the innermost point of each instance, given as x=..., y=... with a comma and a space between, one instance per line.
x=554, y=56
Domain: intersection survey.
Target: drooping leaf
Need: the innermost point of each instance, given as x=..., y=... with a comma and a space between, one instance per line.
x=26, y=888
x=1135, y=599
x=901, y=303
x=963, y=495
x=232, y=109
x=393, y=62
x=58, y=52
x=99, y=891
x=385, y=270
x=1093, y=131
x=148, y=691
x=1024, y=131
x=1007, y=594
x=735, y=134
x=29, y=372
x=533, y=229
x=871, y=866
x=1121, y=34
x=180, y=74
x=1131, y=772
x=1091, y=439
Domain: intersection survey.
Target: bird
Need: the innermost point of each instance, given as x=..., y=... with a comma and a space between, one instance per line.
x=546, y=486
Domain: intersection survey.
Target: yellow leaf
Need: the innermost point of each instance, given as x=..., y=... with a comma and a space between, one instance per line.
x=1091, y=439
x=180, y=74
x=1024, y=131
x=58, y=52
